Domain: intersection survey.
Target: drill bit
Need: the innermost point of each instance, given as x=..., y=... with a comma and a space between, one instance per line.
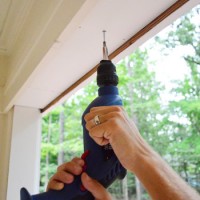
x=105, y=50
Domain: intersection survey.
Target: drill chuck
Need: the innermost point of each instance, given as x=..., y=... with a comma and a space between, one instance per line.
x=106, y=74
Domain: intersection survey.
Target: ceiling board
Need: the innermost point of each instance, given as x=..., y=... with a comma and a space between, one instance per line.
x=12, y=16
x=77, y=49
x=75, y=54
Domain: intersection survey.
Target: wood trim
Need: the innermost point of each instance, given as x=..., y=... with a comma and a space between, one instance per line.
x=124, y=46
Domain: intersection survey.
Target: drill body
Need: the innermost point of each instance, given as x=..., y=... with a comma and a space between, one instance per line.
x=100, y=161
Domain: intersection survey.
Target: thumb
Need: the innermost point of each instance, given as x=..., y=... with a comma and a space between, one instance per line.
x=93, y=186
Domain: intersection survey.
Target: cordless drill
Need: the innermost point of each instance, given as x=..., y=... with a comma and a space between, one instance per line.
x=100, y=161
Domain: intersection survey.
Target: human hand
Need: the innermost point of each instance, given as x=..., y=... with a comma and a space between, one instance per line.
x=97, y=190
x=116, y=128
x=136, y=155
x=65, y=175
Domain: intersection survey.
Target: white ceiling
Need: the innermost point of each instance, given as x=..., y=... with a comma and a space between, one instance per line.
x=13, y=14
x=78, y=52
x=77, y=47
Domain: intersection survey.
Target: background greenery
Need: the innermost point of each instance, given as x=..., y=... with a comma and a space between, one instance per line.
x=172, y=128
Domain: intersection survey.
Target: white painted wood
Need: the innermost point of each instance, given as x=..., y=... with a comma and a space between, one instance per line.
x=5, y=137
x=13, y=14
x=60, y=41
x=76, y=50
x=4, y=9
x=3, y=70
x=24, y=164
x=45, y=22
x=79, y=48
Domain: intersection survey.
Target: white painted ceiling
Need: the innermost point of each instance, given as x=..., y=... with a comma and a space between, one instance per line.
x=13, y=14
x=78, y=47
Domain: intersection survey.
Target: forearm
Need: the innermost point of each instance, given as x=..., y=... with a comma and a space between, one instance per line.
x=159, y=179
x=136, y=155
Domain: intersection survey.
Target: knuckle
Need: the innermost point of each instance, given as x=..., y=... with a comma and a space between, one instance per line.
x=75, y=159
x=115, y=115
x=58, y=175
x=99, y=141
x=113, y=123
x=86, y=117
x=91, y=134
x=77, y=170
x=59, y=168
x=62, y=167
x=93, y=108
x=119, y=115
x=87, y=126
x=118, y=108
x=51, y=180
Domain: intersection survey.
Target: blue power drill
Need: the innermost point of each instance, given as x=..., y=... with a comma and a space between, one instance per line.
x=100, y=161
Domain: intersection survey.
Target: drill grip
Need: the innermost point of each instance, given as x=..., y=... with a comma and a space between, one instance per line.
x=69, y=192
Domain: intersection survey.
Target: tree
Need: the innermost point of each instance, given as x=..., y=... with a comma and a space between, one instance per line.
x=185, y=141
x=141, y=95
x=61, y=136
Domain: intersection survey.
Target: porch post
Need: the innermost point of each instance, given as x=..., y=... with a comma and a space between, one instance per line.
x=24, y=164
x=5, y=135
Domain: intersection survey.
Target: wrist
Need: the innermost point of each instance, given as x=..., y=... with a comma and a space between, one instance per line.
x=144, y=156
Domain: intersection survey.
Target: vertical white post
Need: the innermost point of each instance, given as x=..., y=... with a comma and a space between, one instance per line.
x=24, y=165
x=6, y=120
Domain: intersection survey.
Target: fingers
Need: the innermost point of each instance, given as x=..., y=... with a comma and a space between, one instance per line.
x=59, y=179
x=65, y=174
x=110, y=119
x=102, y=110
x=97, y=190
x=100, y=134
x=104, y=113
x=73, y=167
x=102, y=118
x=55, y=185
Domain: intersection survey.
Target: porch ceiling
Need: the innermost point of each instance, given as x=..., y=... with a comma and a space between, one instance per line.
x=49, y=45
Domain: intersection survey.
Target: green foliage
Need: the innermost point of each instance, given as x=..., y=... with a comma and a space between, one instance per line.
x=141, y=96
x=73, y=138
x=185, y=143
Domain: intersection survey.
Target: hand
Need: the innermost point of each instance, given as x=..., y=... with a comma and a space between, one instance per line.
x=116, y=128
x=97, y=190
x=136, y=155
x=65, y=175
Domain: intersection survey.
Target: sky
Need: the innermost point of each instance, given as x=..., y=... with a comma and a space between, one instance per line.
x=171, y=65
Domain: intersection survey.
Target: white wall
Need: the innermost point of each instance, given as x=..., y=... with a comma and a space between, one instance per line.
x=24, y=165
